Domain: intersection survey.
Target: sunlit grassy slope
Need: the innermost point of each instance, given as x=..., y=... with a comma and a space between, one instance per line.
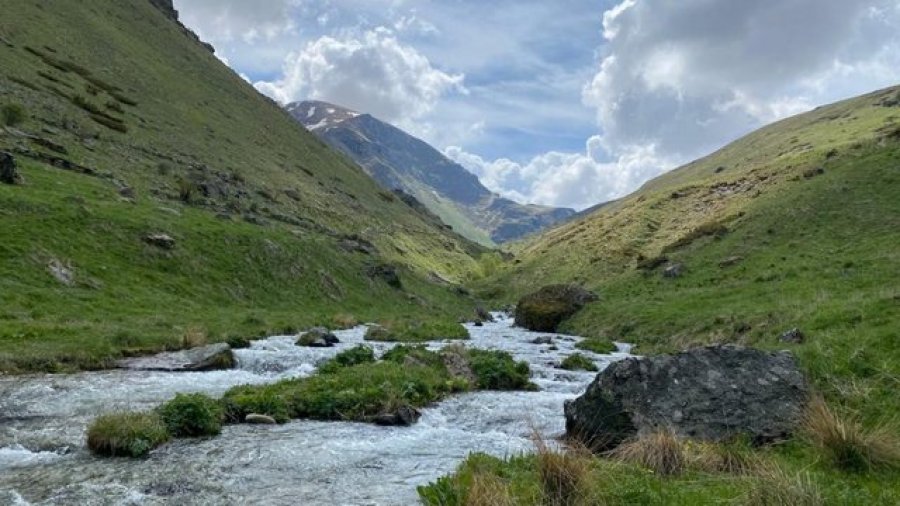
x=795, y=225
x=133, y=127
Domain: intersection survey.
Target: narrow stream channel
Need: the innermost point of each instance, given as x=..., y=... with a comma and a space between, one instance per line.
x=43, y=418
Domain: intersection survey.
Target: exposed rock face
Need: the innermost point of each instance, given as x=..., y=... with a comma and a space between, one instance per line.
x=712, y=393
x=387, y=273
x=318, y=337
x=205, y=358
x=454, y=358
x=9, y=173
x=544, y=310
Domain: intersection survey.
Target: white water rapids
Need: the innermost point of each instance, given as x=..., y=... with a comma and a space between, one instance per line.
x=43, y=419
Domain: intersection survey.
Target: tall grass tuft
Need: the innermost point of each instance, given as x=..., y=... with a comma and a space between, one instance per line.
x=487, y=489
x=661, y=452
x=126, y=434
x=848, y=444
x=777, y=487
x=564, y=475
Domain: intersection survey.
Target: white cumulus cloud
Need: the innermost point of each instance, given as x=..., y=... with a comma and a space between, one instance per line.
x=372, y=72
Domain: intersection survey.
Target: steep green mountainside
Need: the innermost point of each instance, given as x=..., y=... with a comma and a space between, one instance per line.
x=124, y=125
x=398, y=160
x=794, y=226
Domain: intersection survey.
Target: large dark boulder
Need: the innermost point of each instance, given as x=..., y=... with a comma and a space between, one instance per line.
x=317, y=337
x=545, y=309
x=713, y=393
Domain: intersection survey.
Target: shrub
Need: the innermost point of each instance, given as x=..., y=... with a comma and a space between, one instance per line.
x=12, y=114
x=354, y=356
x=192, y=415
x=578, y=362
x=661, y=452
x=243, y=400
x=847, y=443
x=497, y=370
x=126, y=434
x=599, y=345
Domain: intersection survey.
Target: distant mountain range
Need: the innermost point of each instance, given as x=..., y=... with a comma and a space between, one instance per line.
x=398, y=160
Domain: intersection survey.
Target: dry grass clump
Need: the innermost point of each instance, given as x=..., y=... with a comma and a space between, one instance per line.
x=564, y=475
x=661, y=452
x=736, y=457
x=488, y=490
x=342, y=321
x=848, y=444
x=777, y=487
x=194, y=337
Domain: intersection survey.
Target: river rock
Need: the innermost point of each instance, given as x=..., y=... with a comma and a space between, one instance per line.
x=318, y=337
x=793, y=336
x=457, y=364
x=205, y=358
x=9, y=173
x=542, y=340
x=163, y=241
x=674, y=270
x=256, y=418
x=544, y=310
x=712, y=393
x=483, y=315
x=404, y=417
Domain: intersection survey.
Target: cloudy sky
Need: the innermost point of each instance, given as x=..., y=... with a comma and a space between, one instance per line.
x=567, y=102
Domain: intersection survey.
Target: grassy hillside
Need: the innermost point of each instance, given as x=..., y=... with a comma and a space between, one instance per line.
x=124, y=125
x=795, y=225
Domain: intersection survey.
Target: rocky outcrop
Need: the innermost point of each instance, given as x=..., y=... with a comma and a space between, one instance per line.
x=457, y=363
x=794, y=336
x=162, y=241
x=544, y=310
x=205, y=358
x=318, y=337
x=9, y=172
x=386, y=273
x=713, y=393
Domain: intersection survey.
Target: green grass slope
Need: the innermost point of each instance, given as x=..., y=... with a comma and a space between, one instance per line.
x=794, y=226
x=132, y=127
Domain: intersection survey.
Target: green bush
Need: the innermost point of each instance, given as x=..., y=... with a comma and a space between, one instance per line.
x=354, y=356
x=599, y=345
x=243, y=400
x=192, y=415
x=12, y=114
x=497, y=370
x=578, y=362
x=420, y=354
x=126, y=434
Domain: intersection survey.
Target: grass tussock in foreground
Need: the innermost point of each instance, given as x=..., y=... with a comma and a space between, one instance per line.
x=664, y=469
x=847, y=444
x=352, y=386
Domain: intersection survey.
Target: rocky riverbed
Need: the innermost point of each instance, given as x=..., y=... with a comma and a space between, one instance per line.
x=42, y=421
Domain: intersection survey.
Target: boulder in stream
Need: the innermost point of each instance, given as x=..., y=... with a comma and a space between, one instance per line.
x=404, y=416
x=545, y=309
x=712, y=393
x=318, y=337
x=205, y=358
x=257, y=419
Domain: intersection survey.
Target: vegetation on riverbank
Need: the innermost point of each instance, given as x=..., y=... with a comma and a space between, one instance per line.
x=352, y=386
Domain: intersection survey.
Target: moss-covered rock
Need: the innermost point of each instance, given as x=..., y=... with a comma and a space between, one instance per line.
x=545, y=309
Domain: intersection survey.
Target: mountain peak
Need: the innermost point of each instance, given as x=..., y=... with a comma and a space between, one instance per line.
x=315, y=114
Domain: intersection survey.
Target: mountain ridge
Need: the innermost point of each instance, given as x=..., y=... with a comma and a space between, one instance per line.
x=399, y=160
